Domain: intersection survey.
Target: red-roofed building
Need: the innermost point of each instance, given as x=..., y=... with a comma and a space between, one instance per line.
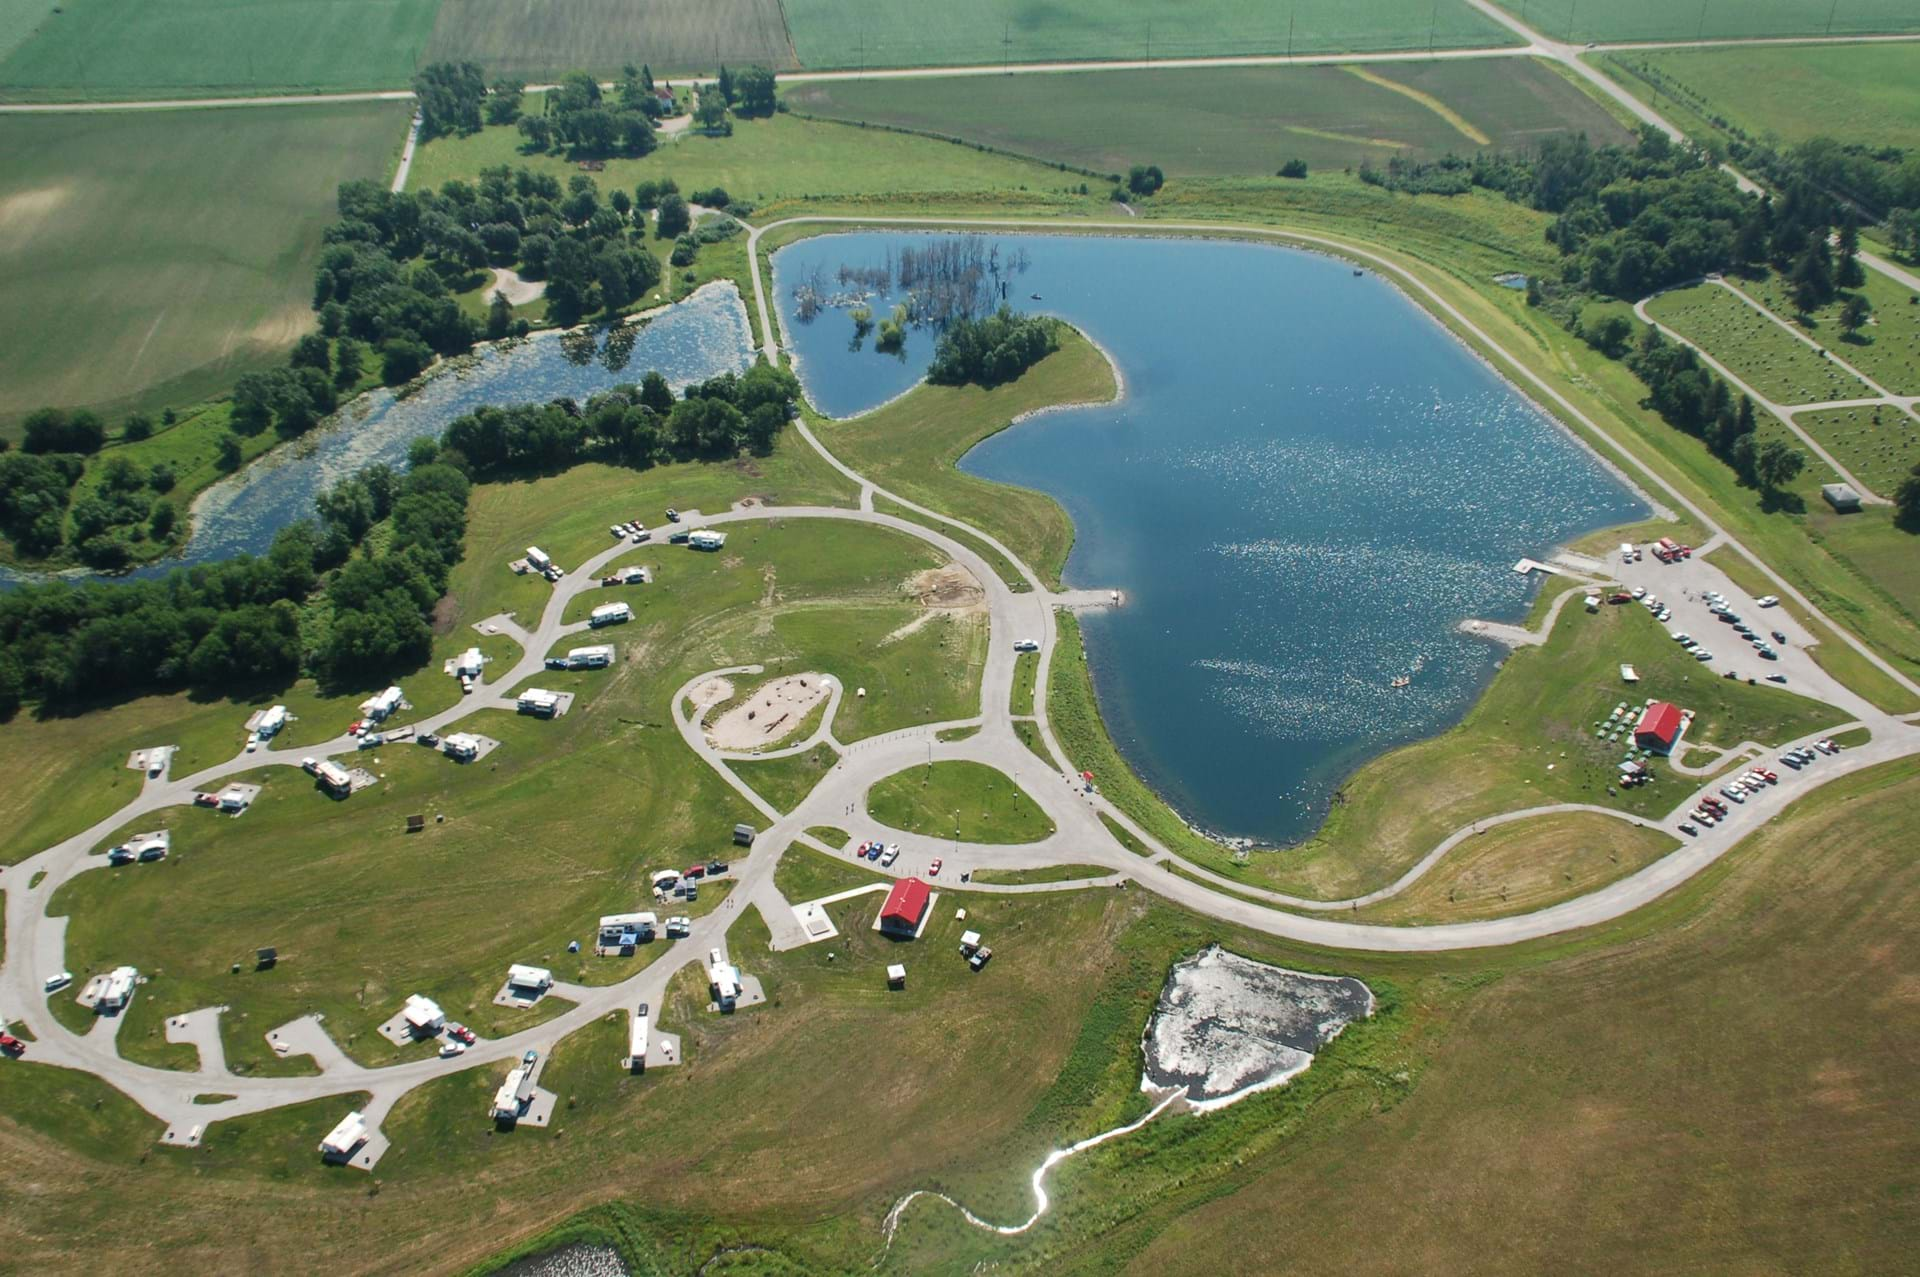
x=1659, y=727
x=906, y=907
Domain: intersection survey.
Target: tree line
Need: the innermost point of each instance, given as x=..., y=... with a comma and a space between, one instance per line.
x=991, y=350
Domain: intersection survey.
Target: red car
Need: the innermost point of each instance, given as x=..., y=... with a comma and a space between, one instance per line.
x=460, y=1033
x=11, y=1045
x=933, y=870
x=206, y=800
x=695, y=871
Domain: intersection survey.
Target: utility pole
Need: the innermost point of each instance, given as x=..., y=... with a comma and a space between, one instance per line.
x=1006, y=49
x=1701, y=34
x=1149, y=41
x=1289, y=35
x=1571, y=10
x=1433, y=20
x=1830, y=12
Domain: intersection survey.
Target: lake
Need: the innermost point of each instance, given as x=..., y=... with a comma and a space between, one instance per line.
x=701, y=337
x=1308, y=485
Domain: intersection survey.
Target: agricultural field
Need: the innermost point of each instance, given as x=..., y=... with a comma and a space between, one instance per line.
x=831, y=33
x=1887, y=349
x=152, y=257
x=1756, y=349
x=1879, y=443
x=1234, y=120
x=1578, y=23
x=767, y=160
x=1867, y=93
x=136, y=48
x=540, y=41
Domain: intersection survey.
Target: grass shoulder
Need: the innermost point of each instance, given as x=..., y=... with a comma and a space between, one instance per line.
x=967, y=801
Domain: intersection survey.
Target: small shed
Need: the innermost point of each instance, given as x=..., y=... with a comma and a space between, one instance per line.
x=265, y=959
x=1841, y=496
x=416, y=823
x=906, y=907
x=969, y=941
x=897, y=976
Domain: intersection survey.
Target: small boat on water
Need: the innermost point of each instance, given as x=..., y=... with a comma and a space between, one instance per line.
x=1035, y=296
x=1401, y=681
x=1357, y=271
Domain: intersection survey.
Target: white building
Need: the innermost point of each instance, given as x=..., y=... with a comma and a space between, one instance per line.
x=118, y=990
x=378, y=708
x=538, y=558
x=463, y=746
x=423, y=1015
x=334, y=777
x=897, y=976
x=342, y=1140
x=590, y=658
x=610, y=614
x=529, y=979
x=538, y=700
x=706, y=539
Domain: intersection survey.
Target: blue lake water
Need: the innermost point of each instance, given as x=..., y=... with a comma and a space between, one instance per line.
x=698, y=338
x=1308, y=485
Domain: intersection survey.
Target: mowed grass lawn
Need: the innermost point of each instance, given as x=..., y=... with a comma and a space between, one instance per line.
x=1718, y=19
x=832, y=33
x=911, y=445
x=130, y=48
x=1887, y=349
x=957, y=799
x=540, y=40
x=764, y=160
x=1880, y=445
x=1770, y=360
x=151, y=257
x=1233, y=120
x=1866, y=93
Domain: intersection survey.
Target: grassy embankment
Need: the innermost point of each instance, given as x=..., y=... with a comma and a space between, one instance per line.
x=784, y=782
x=1331, y=117
x=1052, y=873
x=912, y=447
x=967, y=801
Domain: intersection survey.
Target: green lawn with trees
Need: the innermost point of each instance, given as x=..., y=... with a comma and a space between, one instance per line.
x=1753, y=347
x=152, y=257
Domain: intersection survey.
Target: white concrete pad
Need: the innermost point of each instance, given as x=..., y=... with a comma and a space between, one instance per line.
x=395, y=1030
x=814, y=922
x=663, y=1050
x=307, y=1036
x=145, y=760
x=201, y=1030
x=520, y=1000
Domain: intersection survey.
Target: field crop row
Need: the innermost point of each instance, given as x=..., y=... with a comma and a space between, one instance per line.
x=1576, y=22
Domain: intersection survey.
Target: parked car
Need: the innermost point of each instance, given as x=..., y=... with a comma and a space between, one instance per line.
x=1702, y=654
x=673, y=515
x=12, y=1046
x=873, y=851
x=891, y=854
x=531, y=1057
x=1767, y=600
x=980, y=957
x=461, y=1033
x=933, y=870
x=59, y=980
x=430, y=739
x=1732, y=793
x=206, y=800
x=1687, y=829
x=716, y=867
x=450, y=1049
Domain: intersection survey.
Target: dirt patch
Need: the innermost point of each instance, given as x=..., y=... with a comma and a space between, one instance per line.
x=770, y=714
x=28, y=211
x=951, y=587
x=944, y=592
x=444, y=614
x=282, y=326
x=518, y=291
x=714, y=691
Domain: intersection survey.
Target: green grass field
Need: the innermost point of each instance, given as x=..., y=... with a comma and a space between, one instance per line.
x=153, y=257
x=1867, y=93
x=910, y=447
x=1887, y=349
x=1573, y=21
x=831, y=34
x=539, y=41
x=767, y=160
x=1881, y=445
x=133, y=48
x=784, y=782
x=1231, y=120
x=968, y=801
x=1754, y=347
